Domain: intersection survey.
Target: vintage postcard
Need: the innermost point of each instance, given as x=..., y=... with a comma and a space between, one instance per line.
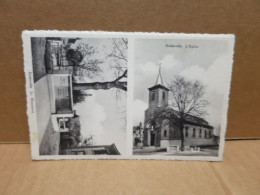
x=115, y=95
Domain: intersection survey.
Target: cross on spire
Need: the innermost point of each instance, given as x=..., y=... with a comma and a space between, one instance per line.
x=159, y=79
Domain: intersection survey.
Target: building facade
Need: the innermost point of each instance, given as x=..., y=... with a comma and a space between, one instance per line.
x=138, y=136
x=92, y=150
x=162, y=133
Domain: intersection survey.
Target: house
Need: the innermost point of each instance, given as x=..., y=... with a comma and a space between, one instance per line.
x=61, y=99
x=55, y=55
x=138, y=136
x=163, y=132
x=92, y=150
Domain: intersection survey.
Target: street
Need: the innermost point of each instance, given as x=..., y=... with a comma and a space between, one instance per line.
x=162, y=152
x=49, y=139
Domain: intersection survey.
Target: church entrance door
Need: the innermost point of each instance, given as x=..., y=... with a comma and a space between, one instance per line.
x=152, y=139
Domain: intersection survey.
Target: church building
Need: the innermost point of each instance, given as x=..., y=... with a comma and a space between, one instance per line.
x=163, y=132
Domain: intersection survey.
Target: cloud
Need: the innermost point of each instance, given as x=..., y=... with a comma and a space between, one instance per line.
x=146, y=74
x=144, y=77
x=218, y=74
x=195, y=73
x=92, y=115
x=168, y=62
x=148, y=68
x=102, y=115
x=215, y=77
x=210, y=64
x=139, y=107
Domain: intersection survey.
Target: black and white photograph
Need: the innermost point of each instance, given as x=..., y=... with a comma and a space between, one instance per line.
x=80, y=87
x=117, y=95
x=180, y=92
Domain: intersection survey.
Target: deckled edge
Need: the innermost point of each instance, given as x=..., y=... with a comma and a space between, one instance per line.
x=226, y=102
x=134, y=35
x=164, y=35
x=24, y=35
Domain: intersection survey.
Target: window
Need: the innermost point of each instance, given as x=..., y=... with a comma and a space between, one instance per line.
x=186, y=132
x=194, y=132
x=210, y=134
x=153, y=95
x=59, y=91
x=163, y=95
x=174, y=134
x=165, y=133
x=200, y=133
x=205, y=134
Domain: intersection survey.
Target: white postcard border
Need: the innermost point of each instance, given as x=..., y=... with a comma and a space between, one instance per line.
x=31, y=105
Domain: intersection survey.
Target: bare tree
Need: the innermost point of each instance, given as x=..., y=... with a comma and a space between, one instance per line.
x=87, y=141
x=187, y=101
x=90, y=67
x=119, y=56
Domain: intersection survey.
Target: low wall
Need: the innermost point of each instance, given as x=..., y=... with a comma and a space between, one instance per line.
x=198, y=142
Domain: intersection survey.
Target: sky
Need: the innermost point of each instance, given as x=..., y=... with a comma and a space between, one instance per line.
x=208, y=62
x=103, y=114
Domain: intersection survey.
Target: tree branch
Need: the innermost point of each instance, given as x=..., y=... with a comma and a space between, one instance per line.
x=100, y=85
x=103, y=85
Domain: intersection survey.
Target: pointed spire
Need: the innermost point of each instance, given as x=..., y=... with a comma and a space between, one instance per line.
x=159, y=79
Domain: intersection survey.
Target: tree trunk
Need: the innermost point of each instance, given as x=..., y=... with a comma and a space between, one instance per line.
x=103, y=85
x=100, y=85
x=181, y=134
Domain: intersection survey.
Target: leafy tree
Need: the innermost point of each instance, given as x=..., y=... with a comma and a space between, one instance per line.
x=79, y=96
x=83, y=61
x=74, y=56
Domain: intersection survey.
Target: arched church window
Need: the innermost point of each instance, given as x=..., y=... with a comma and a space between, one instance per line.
x=194, y=132
x=205, y=134
x=165, y=133
x=210, y=134
x=186, y=131
x=163, y=95
x=200, y=133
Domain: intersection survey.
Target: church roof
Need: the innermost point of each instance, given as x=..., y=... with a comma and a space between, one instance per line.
x=193, y=120
x=197, y=120
x=159, y=82
x=158, y=86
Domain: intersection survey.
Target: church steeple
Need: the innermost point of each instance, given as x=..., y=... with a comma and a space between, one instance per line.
x=158, y=94
x=159, y=79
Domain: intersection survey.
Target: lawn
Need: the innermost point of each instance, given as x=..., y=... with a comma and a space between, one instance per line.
x=50, y=142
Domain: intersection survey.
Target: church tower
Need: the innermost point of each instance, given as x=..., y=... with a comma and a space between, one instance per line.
x=158, y=98
x=158, y=94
